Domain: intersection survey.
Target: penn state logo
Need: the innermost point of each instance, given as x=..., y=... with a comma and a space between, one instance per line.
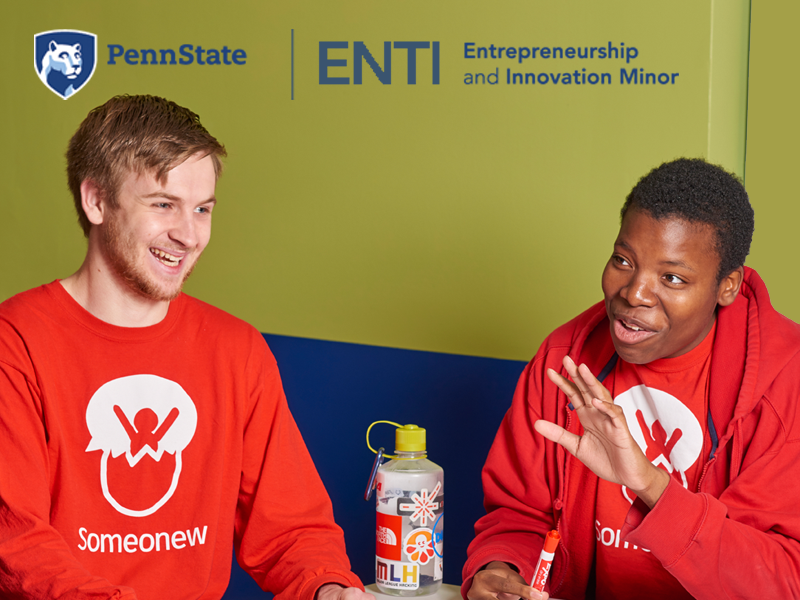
x=65, y=59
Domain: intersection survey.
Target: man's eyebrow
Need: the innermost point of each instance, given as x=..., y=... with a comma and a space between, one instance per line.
x=678, y=263
x=672, y=263
x=212, y=200
x=162, y=195
x=621, y=244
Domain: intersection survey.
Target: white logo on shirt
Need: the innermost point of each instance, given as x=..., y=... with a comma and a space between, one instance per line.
x=140, y=415
x=665, y=429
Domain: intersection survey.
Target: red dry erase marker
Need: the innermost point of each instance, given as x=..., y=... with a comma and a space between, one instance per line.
x=545, y=560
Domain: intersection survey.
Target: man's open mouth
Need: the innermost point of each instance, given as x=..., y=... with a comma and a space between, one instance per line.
x=631, y=326
x=166, y=258
x=631, y=332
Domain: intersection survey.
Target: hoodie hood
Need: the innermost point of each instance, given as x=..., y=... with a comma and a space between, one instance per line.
x=747, y=360
x=766, y=355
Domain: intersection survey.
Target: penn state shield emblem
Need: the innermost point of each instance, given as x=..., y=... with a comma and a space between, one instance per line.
x=65, y=59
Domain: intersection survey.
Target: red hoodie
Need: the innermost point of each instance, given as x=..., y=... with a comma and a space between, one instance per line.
x=736, y=536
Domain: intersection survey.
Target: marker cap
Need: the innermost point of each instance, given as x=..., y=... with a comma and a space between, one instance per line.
x=551, y=541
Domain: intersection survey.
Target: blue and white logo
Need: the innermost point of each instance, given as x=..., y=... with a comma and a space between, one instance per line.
x=65, y=59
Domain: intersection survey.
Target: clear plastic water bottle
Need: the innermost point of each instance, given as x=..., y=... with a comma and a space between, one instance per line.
x=409, y=517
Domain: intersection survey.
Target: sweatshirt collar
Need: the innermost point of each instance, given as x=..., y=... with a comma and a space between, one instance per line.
x=114, y=332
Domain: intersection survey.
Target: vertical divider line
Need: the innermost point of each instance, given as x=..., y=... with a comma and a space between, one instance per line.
x=710, y=83
x=747, y=95
x=292, y=64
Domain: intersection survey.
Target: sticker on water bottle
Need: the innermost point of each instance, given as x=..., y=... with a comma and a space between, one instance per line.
x=438, y=548
x=388, y=533
x=396, y=575
x=422, y=506
x=418, y=546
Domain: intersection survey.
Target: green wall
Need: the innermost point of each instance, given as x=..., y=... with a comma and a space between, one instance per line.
x=773, y=130
x=456, y=218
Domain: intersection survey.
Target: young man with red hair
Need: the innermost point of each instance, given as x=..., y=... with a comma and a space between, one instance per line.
x=150, y=429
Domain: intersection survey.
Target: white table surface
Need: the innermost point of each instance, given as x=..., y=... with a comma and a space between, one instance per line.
x=445, y=592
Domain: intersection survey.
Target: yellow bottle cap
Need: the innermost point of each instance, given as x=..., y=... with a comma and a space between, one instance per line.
x=409, y=438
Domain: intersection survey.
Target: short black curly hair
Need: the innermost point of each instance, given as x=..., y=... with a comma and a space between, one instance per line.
x=699, y=192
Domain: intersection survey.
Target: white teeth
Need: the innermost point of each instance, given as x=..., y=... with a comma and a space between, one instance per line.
x=631, y=326
x=166, y=258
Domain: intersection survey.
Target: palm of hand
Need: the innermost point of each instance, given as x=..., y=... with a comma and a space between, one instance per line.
x=606, y=446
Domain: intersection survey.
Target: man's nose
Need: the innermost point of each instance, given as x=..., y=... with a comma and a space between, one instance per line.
x=184, y=229
x=639, y=290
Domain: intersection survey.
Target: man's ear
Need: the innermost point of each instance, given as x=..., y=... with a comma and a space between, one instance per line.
x=729, y=287
x=93, y=202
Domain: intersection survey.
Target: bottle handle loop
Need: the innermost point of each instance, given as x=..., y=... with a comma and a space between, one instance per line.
x=373, y=425
x=378, y=460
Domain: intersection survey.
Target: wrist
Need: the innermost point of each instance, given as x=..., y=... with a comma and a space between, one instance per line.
x=328, y=590
x=654, y=488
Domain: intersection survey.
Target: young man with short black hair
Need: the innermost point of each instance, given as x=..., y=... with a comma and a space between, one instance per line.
x=143, y=433
x=658, y=430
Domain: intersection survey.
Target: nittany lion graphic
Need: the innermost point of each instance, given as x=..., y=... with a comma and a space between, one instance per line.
x=65, y=59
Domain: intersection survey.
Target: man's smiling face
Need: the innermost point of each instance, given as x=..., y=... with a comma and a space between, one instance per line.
x=660, y=286
x=154, y=236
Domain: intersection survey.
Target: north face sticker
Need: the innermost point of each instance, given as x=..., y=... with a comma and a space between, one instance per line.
x=142, y=424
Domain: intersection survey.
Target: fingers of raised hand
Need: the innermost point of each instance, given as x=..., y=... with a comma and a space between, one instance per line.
x=593, y=385
x=575, y=373
x=566, y=386
x=585, y=381
x=558, y=434
x=610, y=411
x=582, y=380
x=607, y=408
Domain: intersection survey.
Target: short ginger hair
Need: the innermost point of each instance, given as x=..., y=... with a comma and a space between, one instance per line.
x=141, y=134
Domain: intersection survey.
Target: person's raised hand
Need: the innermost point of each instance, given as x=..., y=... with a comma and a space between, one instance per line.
x=606, y=447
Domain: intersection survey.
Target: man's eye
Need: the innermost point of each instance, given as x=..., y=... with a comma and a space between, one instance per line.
x=620, y=261
x=204, y=210
x=674, y=279
x=163, y=204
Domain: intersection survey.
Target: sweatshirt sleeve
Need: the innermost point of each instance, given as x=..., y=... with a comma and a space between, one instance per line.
x=285, y=535
x=741, y=545
x=35, y=560
x=516, y=488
